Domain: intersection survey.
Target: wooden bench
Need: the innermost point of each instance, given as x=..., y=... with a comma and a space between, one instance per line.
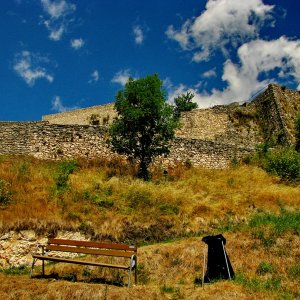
x=55, y=246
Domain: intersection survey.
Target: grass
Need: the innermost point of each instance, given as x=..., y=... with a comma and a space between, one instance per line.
x=167, y=217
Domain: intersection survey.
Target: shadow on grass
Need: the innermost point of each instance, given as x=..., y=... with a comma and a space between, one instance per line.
x=73, y=278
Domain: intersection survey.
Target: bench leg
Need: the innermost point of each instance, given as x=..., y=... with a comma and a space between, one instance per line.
x=129, y=275
x=33, y=263
x=43, y=268
x=135, y=271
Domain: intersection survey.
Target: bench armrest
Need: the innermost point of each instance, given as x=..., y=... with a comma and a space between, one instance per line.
x=133, y=263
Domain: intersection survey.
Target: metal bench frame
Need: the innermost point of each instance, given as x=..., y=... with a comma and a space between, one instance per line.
x=87, y=248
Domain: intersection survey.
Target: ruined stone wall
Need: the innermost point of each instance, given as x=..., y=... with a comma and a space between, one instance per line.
x=277, y=108
x=95, y=115
x=53, y=141
x=208, y=137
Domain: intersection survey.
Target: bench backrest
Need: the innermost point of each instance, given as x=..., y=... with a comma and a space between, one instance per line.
x=91, y=247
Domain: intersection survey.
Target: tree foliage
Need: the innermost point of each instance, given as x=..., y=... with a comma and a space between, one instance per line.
x=145, y=123
x=184, y=103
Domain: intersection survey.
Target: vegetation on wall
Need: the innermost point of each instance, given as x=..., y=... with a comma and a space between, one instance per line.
x=184, y=103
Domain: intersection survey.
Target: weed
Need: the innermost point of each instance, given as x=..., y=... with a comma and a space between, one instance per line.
x=264, y=268
x=169, y=209
x=294, y=271
x=167, y=289
x=105, y=203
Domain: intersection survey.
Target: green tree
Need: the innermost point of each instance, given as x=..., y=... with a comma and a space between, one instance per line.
x=184, y=103
x=145, y=123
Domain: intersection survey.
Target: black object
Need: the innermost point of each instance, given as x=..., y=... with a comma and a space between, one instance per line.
x=218, y=263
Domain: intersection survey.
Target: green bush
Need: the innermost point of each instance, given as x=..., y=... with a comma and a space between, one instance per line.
x=65, y=168
x=284, y=163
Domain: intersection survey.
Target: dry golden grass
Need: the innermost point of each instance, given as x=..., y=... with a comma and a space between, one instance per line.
x=168, y=271
x=103, y=200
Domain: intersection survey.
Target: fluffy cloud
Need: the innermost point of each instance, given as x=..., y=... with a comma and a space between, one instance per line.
x=58, y=21
x=257, y=59
x=94, y=77
x=121, y=77
x=138, y=35
x=58, y=106
x=223, y=23
x=27, y=66
x=77, y=43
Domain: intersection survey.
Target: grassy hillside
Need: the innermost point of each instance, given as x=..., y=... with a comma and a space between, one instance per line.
x=166, y=217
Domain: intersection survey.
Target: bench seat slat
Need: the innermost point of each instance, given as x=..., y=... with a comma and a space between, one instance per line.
x=79, y=262
x=89, y=251
x=92, y=244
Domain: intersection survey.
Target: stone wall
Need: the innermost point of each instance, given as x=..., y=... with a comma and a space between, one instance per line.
x=16, y=247
x=95, y=115
x=208, y=137
x=53, y=141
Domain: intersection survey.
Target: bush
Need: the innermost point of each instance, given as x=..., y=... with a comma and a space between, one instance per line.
x=284, y=163
x=64, y=170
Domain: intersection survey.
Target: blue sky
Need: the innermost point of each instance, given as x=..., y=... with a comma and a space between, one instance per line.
x=58, y=55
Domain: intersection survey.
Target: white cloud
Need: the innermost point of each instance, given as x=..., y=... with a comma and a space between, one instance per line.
x=257, y=58
x=95, y=76
x=58, y=21
x=209, y=73
x=77, y=43
x=27, y=66
x=122, y=77
x=58, y=106
x=138, y=35
x=58, y=9
x=223, y=23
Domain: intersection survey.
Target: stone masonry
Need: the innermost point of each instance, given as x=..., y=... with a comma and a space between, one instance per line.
x=207, y=137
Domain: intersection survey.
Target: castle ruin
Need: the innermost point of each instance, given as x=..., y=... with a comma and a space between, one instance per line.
x=211, y=137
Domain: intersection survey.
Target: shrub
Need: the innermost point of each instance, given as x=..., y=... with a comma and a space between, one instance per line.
x=65, y=168
x=284, y=163
x=5, y=193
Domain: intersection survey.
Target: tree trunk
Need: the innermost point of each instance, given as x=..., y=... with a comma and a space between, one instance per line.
x=143, y=171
